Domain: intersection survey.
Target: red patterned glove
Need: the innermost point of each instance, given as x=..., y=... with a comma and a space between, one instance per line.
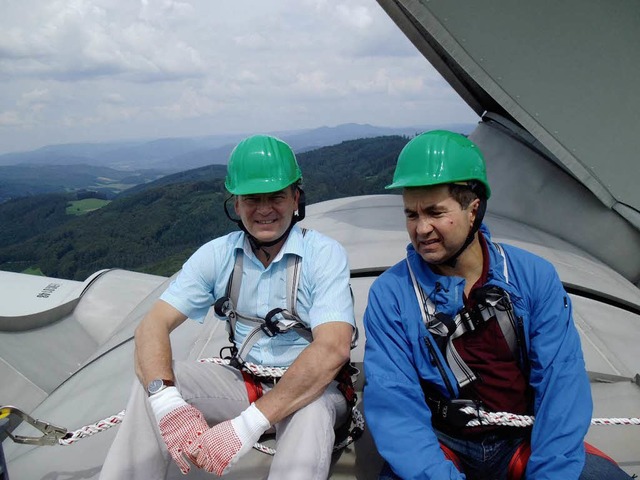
x=180, y=428
x=220, y=447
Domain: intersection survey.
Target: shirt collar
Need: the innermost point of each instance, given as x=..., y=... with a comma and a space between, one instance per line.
x=292, y=245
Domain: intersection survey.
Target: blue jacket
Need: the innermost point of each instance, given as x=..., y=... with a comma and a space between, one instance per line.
x=396, y=358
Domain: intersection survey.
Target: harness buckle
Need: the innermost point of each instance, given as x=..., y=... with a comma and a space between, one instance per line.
x=450, y=411
x=235, y=362
x=270, y=326
x=222, y=307
x=270, y=329
x=50, y=433
x=468, y=320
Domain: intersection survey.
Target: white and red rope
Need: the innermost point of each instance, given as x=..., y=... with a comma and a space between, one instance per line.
x=255, y=369
x=258, y=370
x=88, y=430
x=482, y=417
x=485, y=418
x=513, y=420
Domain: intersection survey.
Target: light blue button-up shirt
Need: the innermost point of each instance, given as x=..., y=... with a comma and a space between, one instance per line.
x=323, y=291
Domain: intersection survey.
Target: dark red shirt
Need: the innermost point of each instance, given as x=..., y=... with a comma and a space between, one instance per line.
x=501, y=385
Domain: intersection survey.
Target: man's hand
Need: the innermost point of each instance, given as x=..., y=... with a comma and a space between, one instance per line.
x=220, y=447
x=180, y=424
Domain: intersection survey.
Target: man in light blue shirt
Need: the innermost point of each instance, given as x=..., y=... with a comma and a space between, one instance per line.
x=301, y=320
x=320, y=298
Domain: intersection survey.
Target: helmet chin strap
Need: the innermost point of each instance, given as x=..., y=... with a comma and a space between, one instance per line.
x=482, y=208
x=253, y=241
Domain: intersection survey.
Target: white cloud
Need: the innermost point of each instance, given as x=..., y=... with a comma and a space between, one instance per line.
x=191, y=104
x=318, y=84
x=113, y=99
x=82, y=70
x=38, y=95
x=357, y=16
x=77, y=39
x=10, y=119
x=251, y=40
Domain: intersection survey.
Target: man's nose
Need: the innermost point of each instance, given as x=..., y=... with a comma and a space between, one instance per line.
x=424, y=226
x=264, y=206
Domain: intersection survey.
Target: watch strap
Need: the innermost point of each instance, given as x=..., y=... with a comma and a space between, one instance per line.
x=165, y=383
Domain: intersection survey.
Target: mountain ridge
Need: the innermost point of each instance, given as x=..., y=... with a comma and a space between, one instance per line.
x=182, y=153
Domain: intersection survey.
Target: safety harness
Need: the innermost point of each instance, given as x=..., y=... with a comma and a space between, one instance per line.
x=492, y=303
x=275, y=322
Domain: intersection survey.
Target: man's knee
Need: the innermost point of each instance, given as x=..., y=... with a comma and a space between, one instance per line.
x=598, y=465
x=320, y=410
x=327, y=410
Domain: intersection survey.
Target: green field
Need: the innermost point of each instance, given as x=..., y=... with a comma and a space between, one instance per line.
x=80, y=207
x=33, y=271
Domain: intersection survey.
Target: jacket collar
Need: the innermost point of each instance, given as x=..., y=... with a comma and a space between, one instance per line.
x=447, y=291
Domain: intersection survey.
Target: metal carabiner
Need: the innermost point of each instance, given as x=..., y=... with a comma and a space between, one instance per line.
x=51, y=433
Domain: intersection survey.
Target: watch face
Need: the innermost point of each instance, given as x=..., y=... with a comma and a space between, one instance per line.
x=155, y=386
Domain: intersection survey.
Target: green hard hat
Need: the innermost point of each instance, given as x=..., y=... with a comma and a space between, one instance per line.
x=261, y=164
x=439, y=157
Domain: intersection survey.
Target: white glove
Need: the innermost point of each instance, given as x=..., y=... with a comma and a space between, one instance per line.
x=219, y=448
x=180, y=424
x=164, y=401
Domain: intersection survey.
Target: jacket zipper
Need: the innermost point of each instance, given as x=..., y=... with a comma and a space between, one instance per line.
x=433, y=356
x=523, y=347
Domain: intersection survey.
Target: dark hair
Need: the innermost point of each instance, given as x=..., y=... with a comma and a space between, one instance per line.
x=296, y=185
x=465, y=194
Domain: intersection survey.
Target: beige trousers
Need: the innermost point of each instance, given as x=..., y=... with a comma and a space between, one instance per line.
x=304, y=440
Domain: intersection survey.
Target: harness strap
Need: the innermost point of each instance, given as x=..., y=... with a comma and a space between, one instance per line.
x=452, y=457
x=462, y=372
x=495, y=303
x=293, y=279
x=437, y=327
x=278, y=320
x=518, y=463
x=235, y=280
x=254, y=388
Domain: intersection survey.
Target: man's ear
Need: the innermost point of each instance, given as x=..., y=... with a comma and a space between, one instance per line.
x=473, y=209
x=301, y=204
x=236, y=202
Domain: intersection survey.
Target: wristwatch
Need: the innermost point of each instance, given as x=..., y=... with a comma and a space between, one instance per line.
x=158, y=385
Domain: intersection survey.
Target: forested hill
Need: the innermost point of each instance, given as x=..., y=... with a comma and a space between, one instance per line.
x=31, y=179
x=155, y=228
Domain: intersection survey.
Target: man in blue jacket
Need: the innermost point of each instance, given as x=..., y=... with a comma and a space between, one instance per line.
x=463, y=322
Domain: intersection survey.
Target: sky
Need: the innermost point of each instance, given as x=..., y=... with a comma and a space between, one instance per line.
x=102, y=70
